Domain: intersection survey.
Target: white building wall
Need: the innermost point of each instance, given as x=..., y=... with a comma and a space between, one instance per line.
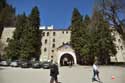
x=7, y=33
x=120, y=47
x=61, y=37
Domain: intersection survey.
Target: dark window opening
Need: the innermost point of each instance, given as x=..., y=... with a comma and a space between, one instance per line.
x=47, y=33
x=43, y=33
x=54, y=33
x=119, y=40
x=121, y=48
x=53, y=46
x=52, y=50
x=45, y=41
x=53, y=40
x=66, y=32
x=63, y=32
x=45, y=49
x=8, y=39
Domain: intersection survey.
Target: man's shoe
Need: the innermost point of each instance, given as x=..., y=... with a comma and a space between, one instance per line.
x=93, y=79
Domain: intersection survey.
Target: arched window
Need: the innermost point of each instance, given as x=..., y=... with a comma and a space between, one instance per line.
x=53, y=40
x=47, y=33
x=52, y=50
x=45, y=49
x=53, y=46
x=45, y=41
x=43, y=33
x=54, y=33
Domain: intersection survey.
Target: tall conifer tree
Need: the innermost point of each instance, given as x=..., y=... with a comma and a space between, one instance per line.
x=34, y=20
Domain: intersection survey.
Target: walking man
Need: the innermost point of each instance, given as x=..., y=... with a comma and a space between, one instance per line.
x=95, y=73
x=54, y=73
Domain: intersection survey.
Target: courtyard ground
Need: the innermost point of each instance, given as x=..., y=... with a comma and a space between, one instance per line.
x=75, y=74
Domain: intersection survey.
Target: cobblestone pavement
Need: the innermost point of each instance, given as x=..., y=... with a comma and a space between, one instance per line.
x=75, y=74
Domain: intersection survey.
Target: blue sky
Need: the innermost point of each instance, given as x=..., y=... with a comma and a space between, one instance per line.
x=53, y=12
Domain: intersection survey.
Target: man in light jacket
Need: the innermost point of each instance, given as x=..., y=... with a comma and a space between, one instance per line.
x=95, y=72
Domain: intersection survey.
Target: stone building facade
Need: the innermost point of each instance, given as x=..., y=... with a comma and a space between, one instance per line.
x=51, y=40
x=120, y=47
x=56, y=44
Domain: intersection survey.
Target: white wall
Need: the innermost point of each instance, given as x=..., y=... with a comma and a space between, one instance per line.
x=59, y=37
x=7, y=33
x=120, y=47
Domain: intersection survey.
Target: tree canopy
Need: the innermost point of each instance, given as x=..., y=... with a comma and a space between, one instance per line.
x=91, y=38
x=114, y=13
x=26, y=41
x=7, y=15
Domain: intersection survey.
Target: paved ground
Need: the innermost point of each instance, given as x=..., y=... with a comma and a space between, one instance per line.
x=76, y=74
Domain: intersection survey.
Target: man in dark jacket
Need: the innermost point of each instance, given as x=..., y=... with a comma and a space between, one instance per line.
x=53, y=73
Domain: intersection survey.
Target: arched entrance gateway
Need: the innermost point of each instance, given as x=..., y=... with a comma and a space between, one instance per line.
x=66, y=59
x=66, y=55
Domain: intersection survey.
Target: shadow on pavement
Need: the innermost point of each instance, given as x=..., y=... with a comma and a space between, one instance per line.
x=1, y=68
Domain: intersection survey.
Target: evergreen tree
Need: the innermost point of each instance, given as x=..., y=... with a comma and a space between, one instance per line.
x=104, y=43
x=14, y=44
x=81, y=38
x=87, y=20
x=27, y=49
x=2, y=4
x=34, y=20
x=7, y=15
x=26, y=40
x=89, y=39
x=77, y=32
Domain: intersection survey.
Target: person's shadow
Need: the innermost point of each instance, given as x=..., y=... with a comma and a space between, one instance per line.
x=97, y=81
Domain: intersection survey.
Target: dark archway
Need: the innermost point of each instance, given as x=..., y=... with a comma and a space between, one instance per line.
x=66, y=60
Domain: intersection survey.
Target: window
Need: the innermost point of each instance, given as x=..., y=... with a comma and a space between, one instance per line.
x=8, y=39
x=51, y=56
x=121, y=48
x=119, y=40
x=52, y=50
x=53, y=40
x=66, y=32
x=54, y=33
x=47, y=33
x=43, y=33
x=63, y=32
x=45, y=49
x=45, y=41
x=53, y=46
